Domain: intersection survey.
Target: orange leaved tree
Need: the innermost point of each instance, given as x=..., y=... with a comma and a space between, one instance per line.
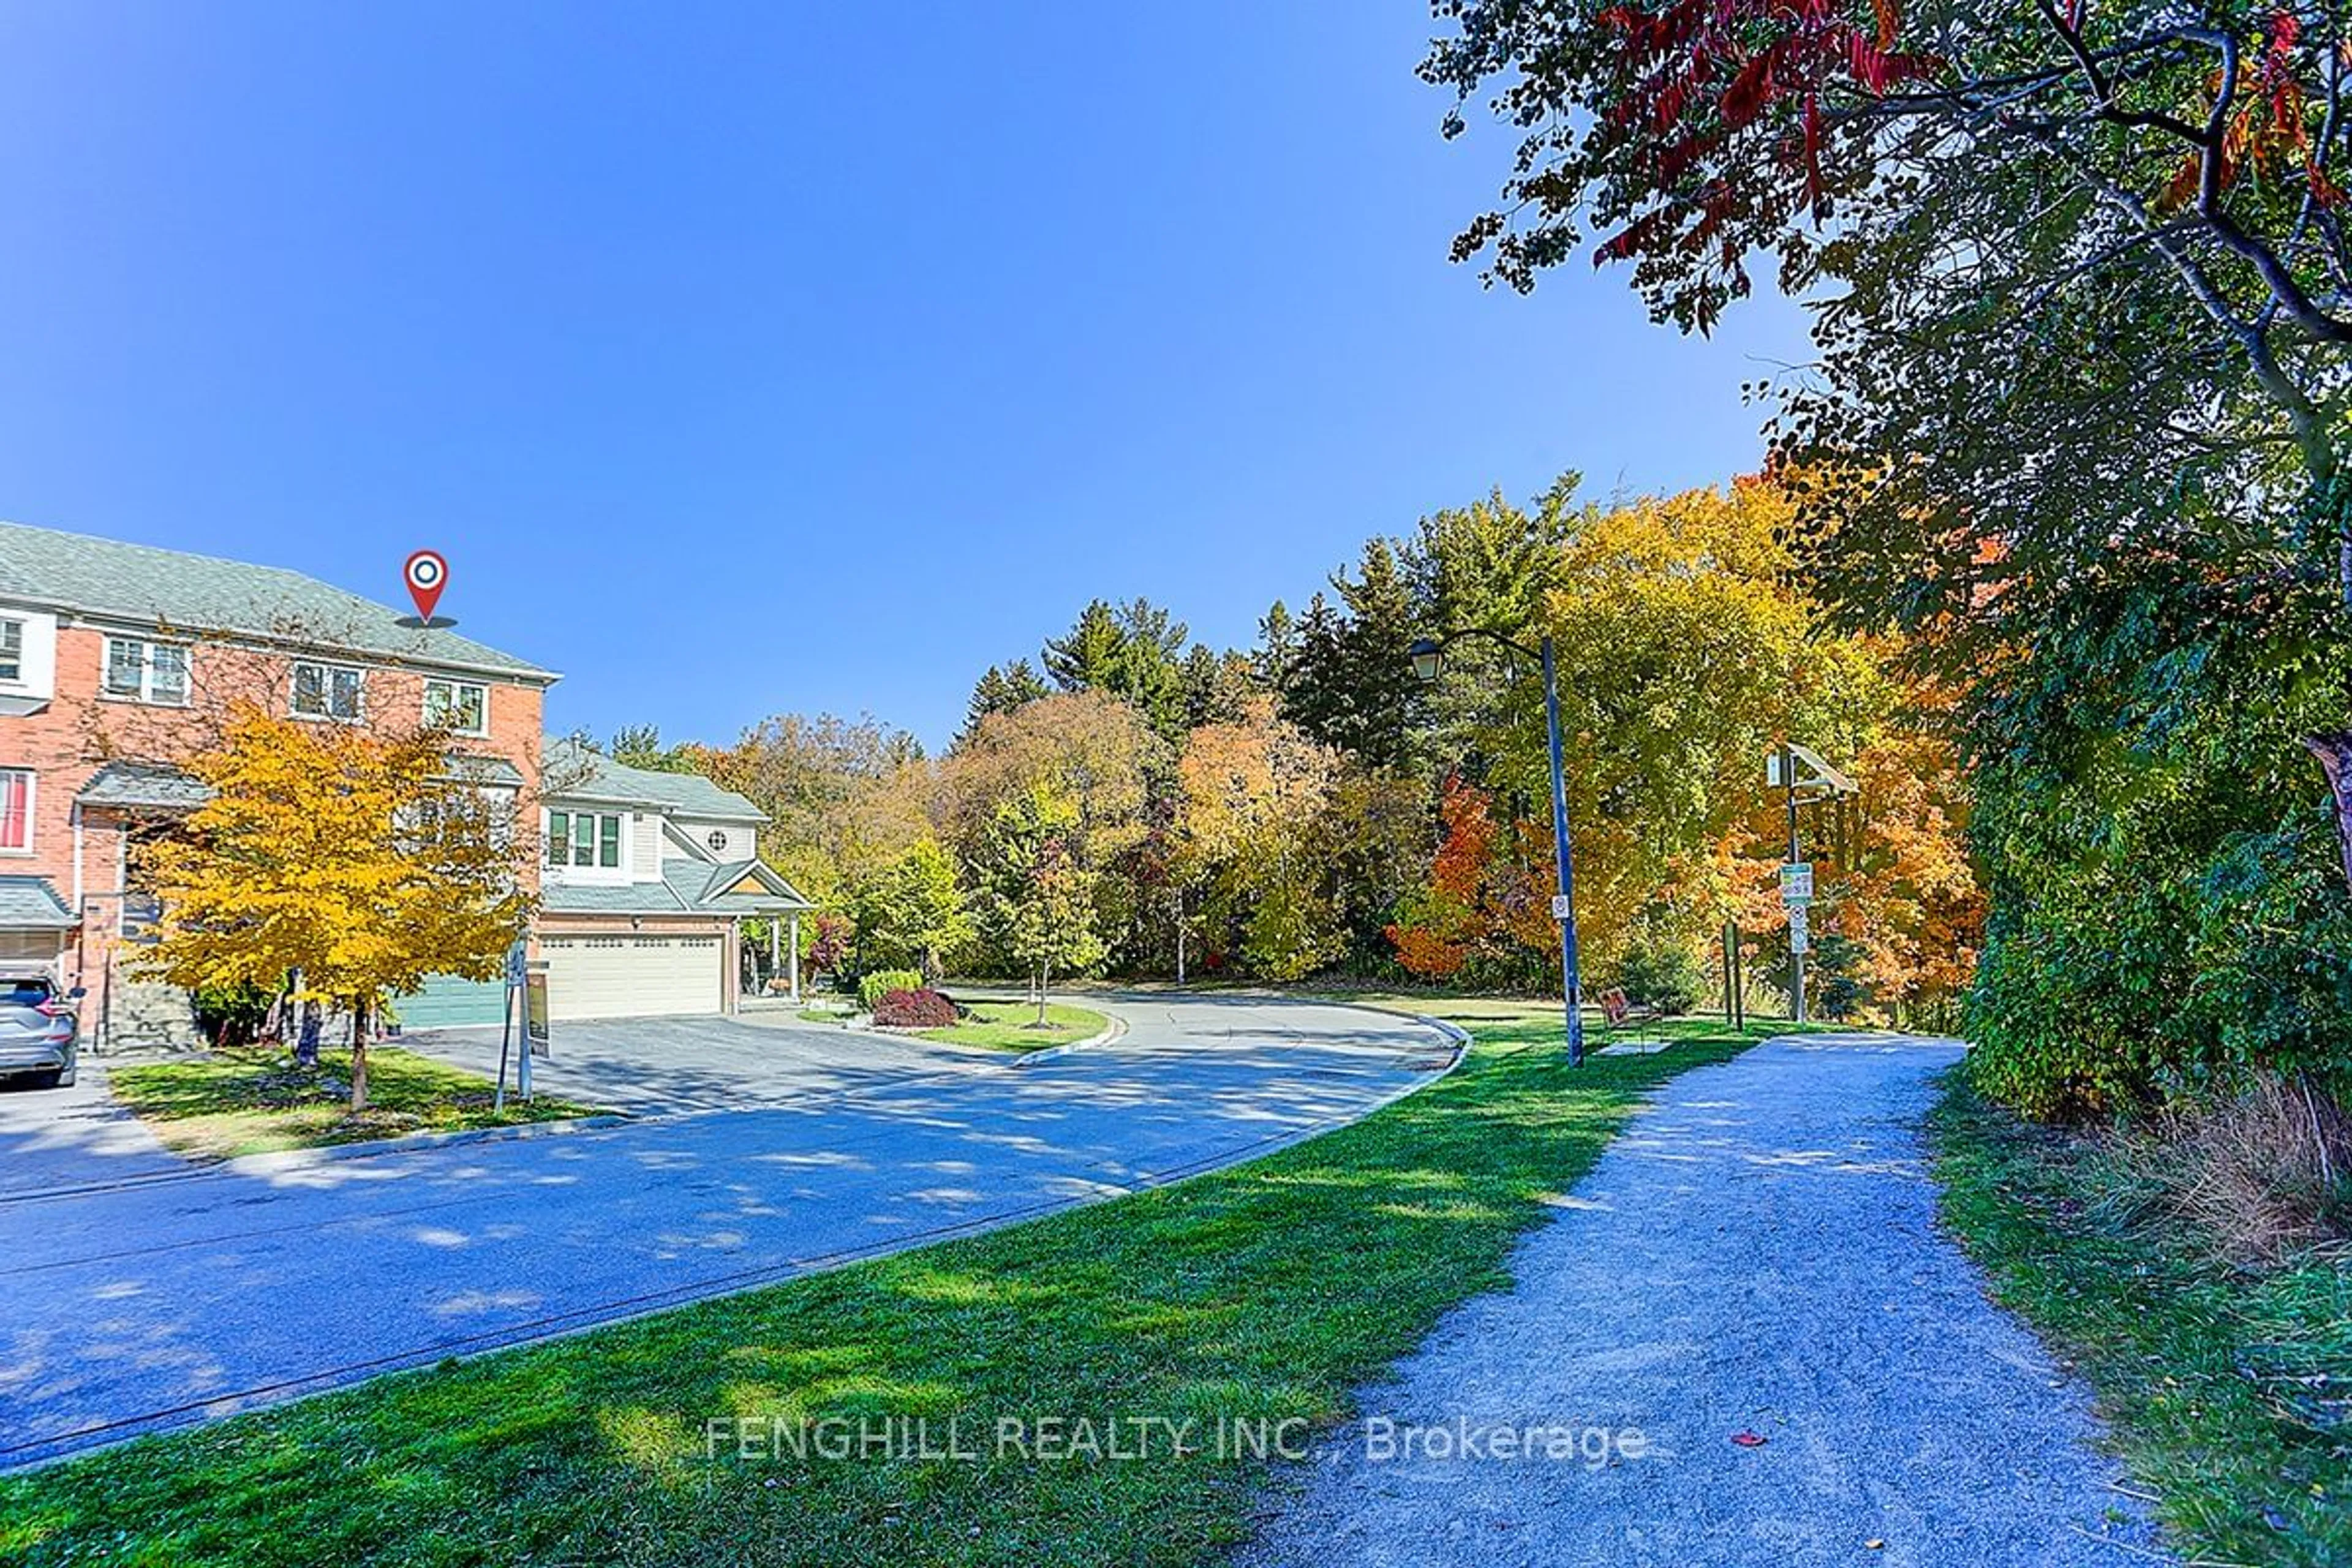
x=355, y=859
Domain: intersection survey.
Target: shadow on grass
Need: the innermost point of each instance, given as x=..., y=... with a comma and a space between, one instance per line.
x=1266, y=1292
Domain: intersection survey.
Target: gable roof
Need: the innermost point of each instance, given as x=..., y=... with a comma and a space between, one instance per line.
x=687, y=887
x=571, y=771
x=147, y=585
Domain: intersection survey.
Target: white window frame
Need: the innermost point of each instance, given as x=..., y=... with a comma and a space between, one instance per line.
x=327, y=671
x=32, y=804
x=148, y=647
x=12, y=626
x=454, y=687
x=571, y=868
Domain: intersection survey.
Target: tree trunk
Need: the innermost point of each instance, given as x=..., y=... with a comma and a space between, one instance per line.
x=1044, y=970
x=2334, y=753
x=359, y=1054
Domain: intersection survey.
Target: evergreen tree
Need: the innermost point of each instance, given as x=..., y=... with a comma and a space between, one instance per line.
x=1277, y=649
x=1090, y=656
x=1216, y=687
x=1001, y=691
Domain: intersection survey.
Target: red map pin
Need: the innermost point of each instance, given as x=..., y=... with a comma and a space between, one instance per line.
x=426, y=575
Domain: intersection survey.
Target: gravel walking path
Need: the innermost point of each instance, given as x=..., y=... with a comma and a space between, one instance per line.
x=1756, y=1257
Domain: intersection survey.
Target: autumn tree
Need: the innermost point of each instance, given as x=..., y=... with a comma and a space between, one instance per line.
x=2075, y=422
x=844, y=797
x=1038, y=905
x=1252, y=795
x=1001, y=688
x=911, y=913
x=351, y=858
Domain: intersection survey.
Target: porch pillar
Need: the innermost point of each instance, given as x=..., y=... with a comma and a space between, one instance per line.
x=792, y=955
x=775, y=947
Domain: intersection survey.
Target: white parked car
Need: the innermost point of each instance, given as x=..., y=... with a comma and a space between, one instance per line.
x=39, y=1032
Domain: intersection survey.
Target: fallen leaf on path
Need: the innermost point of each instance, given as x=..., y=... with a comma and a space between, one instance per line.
x=1748, y=1439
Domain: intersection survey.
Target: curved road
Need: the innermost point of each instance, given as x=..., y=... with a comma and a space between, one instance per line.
x=135, y=1295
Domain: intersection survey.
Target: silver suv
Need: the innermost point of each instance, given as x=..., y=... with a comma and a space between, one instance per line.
x=39, y=1032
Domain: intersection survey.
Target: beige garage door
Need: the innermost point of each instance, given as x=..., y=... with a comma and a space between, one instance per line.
x=636, y=976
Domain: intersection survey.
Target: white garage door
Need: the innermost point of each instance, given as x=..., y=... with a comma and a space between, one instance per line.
x=631, y=976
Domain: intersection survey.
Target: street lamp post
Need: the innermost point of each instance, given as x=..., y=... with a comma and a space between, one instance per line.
x=1429, y=664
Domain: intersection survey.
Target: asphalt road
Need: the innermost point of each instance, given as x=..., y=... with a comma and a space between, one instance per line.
x=173, y=1296
x=666, y=1067
x=1752, y=1278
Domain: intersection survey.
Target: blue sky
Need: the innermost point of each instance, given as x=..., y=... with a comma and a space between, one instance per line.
x=786, y=357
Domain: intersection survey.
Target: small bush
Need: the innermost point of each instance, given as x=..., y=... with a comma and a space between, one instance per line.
x=872, y=987
x=231, y=1015
x=1661, y=973
x=914, y=1009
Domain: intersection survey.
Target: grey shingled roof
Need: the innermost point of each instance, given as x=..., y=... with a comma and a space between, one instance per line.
x=153, y=784
x=31, y=901
x=142, y=584
x=571, y=771
x=627, y=899
x=686, y=887
x=161, y=786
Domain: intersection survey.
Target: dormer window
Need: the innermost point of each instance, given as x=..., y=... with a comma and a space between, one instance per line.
x=12, y=651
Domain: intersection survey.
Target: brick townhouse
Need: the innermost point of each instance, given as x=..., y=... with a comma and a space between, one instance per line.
x=118, y=662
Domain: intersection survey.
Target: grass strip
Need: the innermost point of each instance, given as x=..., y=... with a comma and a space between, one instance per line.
x=1267, y=1292
x=1013, y=1027
x=258, y=1101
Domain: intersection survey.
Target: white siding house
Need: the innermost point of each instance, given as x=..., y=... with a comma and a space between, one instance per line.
x=647, y=880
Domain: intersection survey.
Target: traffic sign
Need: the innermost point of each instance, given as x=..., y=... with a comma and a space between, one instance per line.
x=1561, y=907
x=1797, y=884
x=1801, y=937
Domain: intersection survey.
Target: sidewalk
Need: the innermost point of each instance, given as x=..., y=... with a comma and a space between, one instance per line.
x=1756, y=1257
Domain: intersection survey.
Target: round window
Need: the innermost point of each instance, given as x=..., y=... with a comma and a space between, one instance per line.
x=718, y=840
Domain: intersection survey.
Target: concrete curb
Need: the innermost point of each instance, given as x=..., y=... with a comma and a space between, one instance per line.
x=1112, y=1031
x=277, y=1162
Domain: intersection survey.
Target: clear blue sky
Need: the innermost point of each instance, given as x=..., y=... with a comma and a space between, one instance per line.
x=784, y=356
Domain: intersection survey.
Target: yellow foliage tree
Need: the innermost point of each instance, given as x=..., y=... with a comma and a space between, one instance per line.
x=353, y=859
x=1250, y=796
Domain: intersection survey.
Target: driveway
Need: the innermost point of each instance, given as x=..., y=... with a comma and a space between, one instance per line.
x=55, y=1138
x=164, y=1301
x=667, y=1067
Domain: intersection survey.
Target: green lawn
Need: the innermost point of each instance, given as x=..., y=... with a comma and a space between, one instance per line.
x=2230, y=1393
x=1270, y=1290
x=1013, y=1027
x=255, y=1101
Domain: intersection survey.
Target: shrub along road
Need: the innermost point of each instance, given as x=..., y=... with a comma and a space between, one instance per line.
x=163, y=1303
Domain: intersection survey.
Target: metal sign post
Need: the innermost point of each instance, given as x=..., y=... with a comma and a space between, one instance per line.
x=517, y=962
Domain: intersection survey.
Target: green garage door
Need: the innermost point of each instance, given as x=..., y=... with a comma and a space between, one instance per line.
x=446, y=1001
